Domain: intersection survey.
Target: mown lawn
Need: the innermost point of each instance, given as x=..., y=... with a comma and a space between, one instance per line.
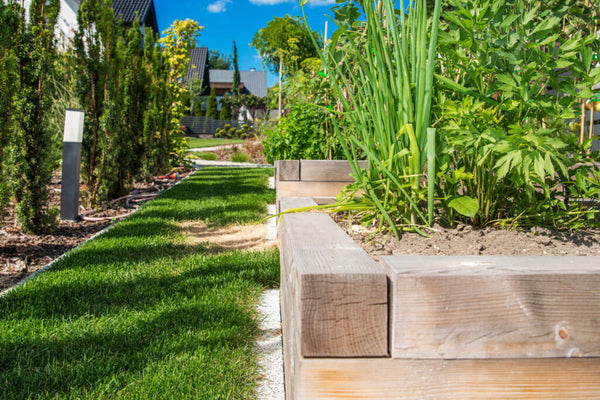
x=139, y=314
x=199, y=143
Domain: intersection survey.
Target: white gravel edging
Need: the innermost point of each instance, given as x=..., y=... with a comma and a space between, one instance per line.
x=270, y=345
x=270, y=348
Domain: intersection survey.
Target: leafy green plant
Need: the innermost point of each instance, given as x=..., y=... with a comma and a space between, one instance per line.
x=207, y=155
x=505, y=149
x=226, y=111
x=10, y=24
x=32, y=138
x=231, y=132
x=211, y=108
x=300, y=135
x=239, y=157
x=382, y=73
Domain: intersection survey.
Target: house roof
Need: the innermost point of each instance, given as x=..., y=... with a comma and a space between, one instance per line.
x=144, y=9
x=254, y=81
x=199, y=59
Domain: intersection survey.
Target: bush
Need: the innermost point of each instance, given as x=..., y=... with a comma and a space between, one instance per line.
x=207, y=155
x=231, y=132
x=301, y=135
x=211, y=108
x=239, y=157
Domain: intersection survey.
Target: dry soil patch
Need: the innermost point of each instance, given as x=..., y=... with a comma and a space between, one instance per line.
x=234, y=237
x=466, y=240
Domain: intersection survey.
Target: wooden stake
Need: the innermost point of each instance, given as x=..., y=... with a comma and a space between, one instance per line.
x=582, y=122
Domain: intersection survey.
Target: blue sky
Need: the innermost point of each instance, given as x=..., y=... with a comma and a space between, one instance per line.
x=227, y=20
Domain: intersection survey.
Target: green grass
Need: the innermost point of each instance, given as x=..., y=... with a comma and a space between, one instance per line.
x=240, y=157
x=202, y=155
x=137, y=314
x=199, y=143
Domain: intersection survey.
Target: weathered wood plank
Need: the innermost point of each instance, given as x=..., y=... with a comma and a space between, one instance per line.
x=338, y=294
x=378, y=379
x=303, y=189
x=327, y=170
x=494, y=307
x=287, y=170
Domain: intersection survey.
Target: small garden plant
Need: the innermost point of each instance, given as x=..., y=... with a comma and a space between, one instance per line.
x=231, y=132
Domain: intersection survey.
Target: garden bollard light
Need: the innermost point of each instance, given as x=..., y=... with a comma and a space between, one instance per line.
x=69, y=195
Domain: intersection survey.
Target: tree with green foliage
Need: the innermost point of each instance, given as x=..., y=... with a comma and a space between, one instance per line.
x=195, y=93
x=98, y=73
x=157, y=123
x=10, y=24
x=211, y=108
x=218, y=60
x=35, y=55
x=235, y=86
x=226, y=112
x=177, y=41
x=288, y=41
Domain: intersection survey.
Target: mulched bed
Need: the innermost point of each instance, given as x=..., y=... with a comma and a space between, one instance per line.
x=22, y=254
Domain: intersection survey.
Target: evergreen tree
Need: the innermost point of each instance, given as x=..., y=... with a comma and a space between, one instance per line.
x=10, y=26
x=98, y=76
x=235, y=90
x=35, y=55
x=157, y=125
x=225, y=108
x=211, y=108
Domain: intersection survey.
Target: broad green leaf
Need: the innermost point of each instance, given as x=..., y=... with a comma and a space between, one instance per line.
x=303, y=2
x=586, y=93
x=529, y=16
x=549, y=39
x=570, y=45
x=464, y=205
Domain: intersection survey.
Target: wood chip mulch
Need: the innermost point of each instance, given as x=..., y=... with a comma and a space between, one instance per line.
x=22, y=254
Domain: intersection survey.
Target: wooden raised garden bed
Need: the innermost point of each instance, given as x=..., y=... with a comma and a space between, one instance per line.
x=429, y=327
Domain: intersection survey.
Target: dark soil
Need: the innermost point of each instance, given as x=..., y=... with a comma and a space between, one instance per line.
x=466, y=240
x=22, y=254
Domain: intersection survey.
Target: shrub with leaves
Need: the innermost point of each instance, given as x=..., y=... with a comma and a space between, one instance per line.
x=34, y=54
x=514, y=73
x=226, y=112
x=211, y=108
x=231, y=132
x=10, y=25
x=301, y=135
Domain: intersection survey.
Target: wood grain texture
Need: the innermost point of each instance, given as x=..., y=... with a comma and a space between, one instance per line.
x=493, y=307
x=287, y=170
x=336, y=295
x=327, y=170
x=379, y=379
x=308, y=189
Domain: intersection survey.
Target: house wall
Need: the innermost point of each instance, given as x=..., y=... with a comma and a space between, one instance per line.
x=66, y=24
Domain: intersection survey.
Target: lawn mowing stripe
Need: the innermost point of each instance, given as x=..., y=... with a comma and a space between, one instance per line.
x=112, y=321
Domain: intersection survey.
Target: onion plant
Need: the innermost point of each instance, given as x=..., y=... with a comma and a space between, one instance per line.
x=380, y=64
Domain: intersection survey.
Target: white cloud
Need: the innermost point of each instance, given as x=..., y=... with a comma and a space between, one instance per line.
x=312, y=3
x=321, y=3
x=218, y=6
x=271, y=2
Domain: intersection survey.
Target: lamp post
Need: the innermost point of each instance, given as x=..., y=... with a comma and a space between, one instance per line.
x=69, y=194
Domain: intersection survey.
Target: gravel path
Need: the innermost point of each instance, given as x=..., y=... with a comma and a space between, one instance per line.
x=270, y=345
